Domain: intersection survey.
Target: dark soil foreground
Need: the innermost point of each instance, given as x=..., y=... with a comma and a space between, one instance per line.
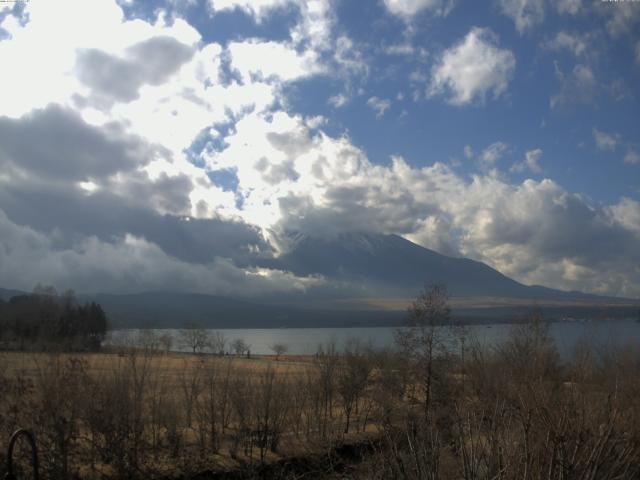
x=335, y=464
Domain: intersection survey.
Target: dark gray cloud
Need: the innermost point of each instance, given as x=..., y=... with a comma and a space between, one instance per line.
x=293, y=144
x=276, y=173
x=46, y=155
x=57, y=143
x=68, y=213
x=118, y=79
x=353, y=209
x=560, y=226
x=124, y=266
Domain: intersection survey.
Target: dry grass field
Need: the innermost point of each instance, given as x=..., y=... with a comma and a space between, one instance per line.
x=421, y=411
x=100, y=415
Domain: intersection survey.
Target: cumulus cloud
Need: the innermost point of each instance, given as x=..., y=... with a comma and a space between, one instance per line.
x=313, y=46
x=316, y=25
x=379, y=105
x=606, y=141
x=258, y=9
x=108, y=181
x=407, y=9
x=526, y=14
x=130, y=264
x=538, y=231
x=112, y=78
x=313, y=30
x=267, y=60
x=535, y=231
x=102, y=29
x=57, y=143
x=473, y=68
x=79, y=209
x=311, y=182
x=627, y=213
x=530, y=162
x=44, y=186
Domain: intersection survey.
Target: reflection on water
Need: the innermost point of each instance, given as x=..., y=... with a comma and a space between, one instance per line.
x=305, y=341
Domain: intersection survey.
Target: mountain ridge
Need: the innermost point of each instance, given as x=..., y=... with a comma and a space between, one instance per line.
x=362, y=271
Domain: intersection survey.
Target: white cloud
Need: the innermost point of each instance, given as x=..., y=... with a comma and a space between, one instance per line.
x=622, y=17
x=525, y=13
x=579, y=87
x=379, y=105
x=632, y=157
x=349, y=59
x=258, y=9
x=339, y=100
x=468, y=152
x=606, y=141
x=576, y=43
x=407, y=9
x=490, y=155
x=316, y=121
x=627, y=213
x=571, y=7
x=473, y=68
x=313, y=32
x=268, y=60
x=317, y=24
x=530, y=162
x=400, y=49
x=534, y=231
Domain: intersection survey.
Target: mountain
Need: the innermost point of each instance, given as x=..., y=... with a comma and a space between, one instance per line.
x=370, y=279
x=390, y=265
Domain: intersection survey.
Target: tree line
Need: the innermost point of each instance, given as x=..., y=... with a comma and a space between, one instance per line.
x=45, y=319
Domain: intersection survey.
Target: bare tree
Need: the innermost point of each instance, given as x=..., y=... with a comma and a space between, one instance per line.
x=279, y=349
x=530, y=351
x=239, y=346
x=218, y=343
x=352, y=379
x=166, y=341
x=147, y=340
x=195, y=338
x=421, y=339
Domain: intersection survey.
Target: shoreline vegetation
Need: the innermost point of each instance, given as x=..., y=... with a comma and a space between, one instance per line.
x=429, y=407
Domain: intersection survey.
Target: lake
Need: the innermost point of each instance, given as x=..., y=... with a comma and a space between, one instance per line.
x=305, y=341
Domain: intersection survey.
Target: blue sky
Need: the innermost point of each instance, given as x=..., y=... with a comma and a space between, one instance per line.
x=503, y=131
x=427, y=129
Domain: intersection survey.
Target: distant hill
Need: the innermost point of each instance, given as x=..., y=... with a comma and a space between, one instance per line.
x=171, y=310
x=7, y=294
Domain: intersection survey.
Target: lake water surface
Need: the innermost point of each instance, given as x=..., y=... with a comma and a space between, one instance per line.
x=305, y=341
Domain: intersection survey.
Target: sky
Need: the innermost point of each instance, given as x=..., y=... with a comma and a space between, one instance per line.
x=150, y=145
